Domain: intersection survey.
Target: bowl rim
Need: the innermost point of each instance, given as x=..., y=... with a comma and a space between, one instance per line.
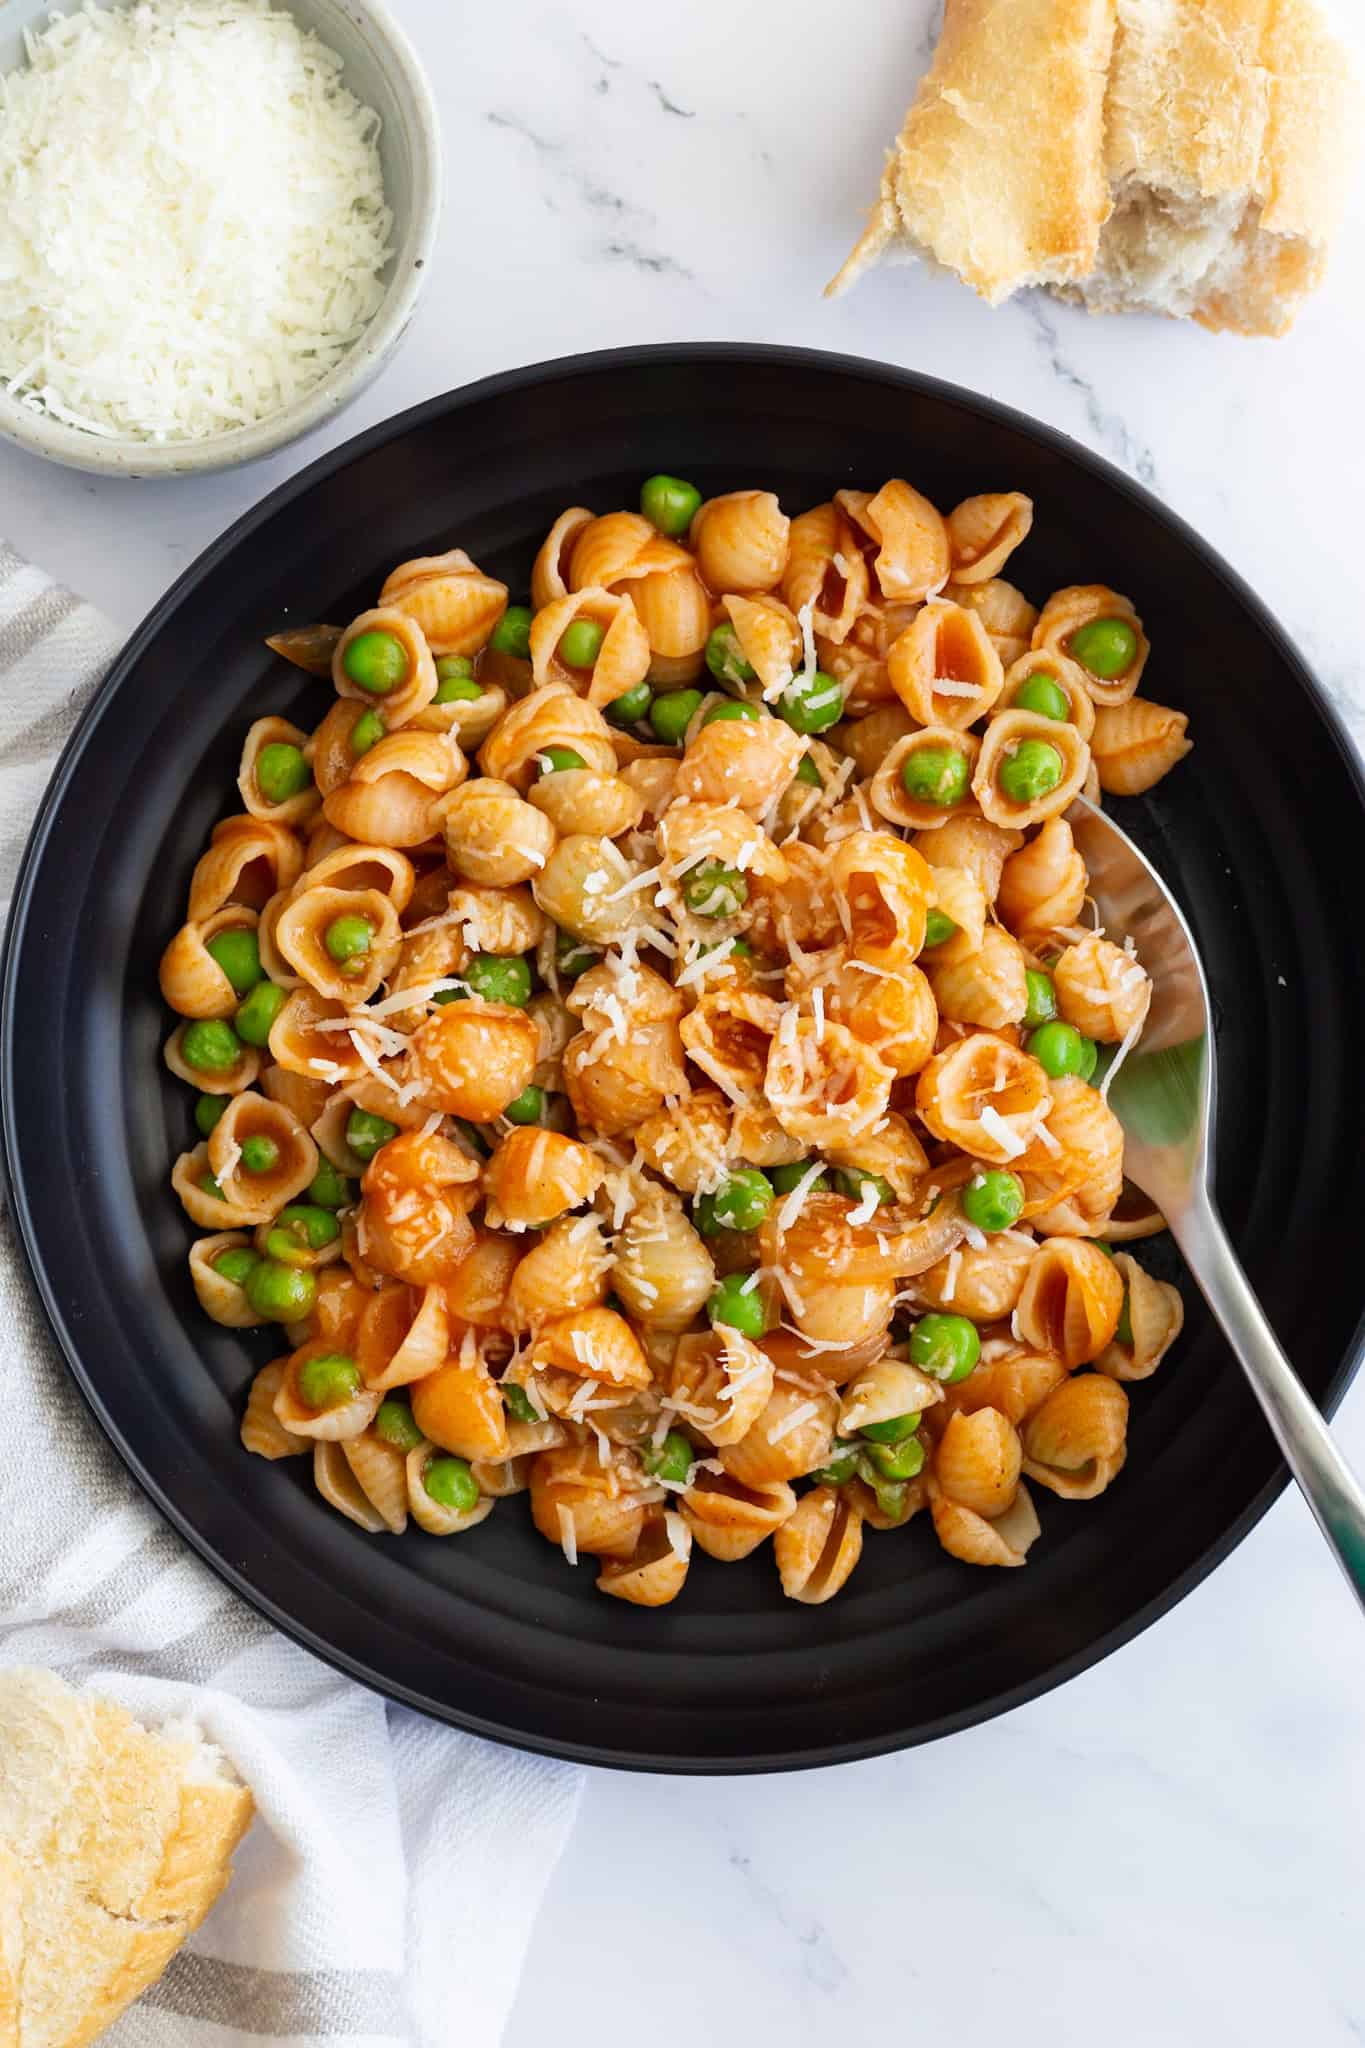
x=98, y=455
x=715, y=355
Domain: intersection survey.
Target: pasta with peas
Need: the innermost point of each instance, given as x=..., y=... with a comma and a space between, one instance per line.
x=651, y=1045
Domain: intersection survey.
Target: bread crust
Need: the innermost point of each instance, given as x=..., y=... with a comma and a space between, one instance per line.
x=1053, y=140
x=114, y=1844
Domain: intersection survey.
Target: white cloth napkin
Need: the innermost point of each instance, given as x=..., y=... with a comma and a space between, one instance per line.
x=388, y=1888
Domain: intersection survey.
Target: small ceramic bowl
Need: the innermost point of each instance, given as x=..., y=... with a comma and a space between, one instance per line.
x=382, y=70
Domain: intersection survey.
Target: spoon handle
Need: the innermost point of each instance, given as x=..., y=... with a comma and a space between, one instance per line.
x=1325, y=1479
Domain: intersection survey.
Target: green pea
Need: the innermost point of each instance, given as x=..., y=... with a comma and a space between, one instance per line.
x=559, y=760
x=853, y=1182
x=946, y=1347
x=212, y=1186
x=528, y=1108
x=281, y=772
x=1107, y=647
x=672, y=1459
x=738, y=1302
x=474, y=1138
x=255, y=1019
x=499, y=978
x=1059, y=1049
x=376, y=662
x=936, y=775
x=348, y=939
x=1042, y=999
x=1124, y=1331
x=725, y=656
x=670, y=503
x=310, y=1224
x=455, y=680
x=329, y=1381
x=893, y=1497
x=1043, y=695
x=451, y=1484
x=812, y=704
x=366, y=1133
x=842, y=1466
x=1031, y=771
x=512, y=634
x=807, y=772
x=367, y=732
x=211, y=1046
x=260, y=1154
x=239, y=956
x=713, y=890
x=329, y=1187
x=938, y=928
x=671, y=713
x=894, y=1461
x=894, y=1430
x=732, y=711
x=580, y=643
x=236, y=1263
x=572, y=957
x=786, y=1179
x=992, y=1201
x=207, y=1110
x=704, y=1215
x=631, y=706
x=518, y=1402
x=393, y=1423
x=743, y=1201
x=283, y=1293
x=1090, y=1053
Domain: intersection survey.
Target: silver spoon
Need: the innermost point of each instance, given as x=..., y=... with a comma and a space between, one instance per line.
x=1163, y=1094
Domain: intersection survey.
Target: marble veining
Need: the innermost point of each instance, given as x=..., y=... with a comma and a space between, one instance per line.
x=1166, y=1852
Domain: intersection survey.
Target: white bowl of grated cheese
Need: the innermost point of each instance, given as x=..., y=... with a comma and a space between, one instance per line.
x=216, y=218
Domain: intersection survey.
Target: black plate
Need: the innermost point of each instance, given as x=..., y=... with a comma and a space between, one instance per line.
x=1259, y=831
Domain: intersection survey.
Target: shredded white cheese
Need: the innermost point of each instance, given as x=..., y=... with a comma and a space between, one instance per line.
x=192, y=217
x=994, y=1125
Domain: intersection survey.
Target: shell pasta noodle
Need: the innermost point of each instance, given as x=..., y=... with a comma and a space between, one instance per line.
x=650, y=1044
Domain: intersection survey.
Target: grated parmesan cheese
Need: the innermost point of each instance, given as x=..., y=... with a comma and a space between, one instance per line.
x=568, y=1534
x=192, y=218
x=994, y=1125
x=793, y=1419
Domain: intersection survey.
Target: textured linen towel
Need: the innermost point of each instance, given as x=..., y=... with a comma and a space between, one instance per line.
x=388, y=1888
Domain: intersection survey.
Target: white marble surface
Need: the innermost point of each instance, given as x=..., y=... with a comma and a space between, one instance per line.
x=1168, y=1850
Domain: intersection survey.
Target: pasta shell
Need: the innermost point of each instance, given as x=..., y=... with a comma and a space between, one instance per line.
x=1043, y=885
x=656, y=1569
x=1066, y=611
x=729, y=1521
x=1015, y=1383
x=402, y=1335
x=826, y=573
x=888, y=795
x=817, y=1547
x=554, y=716
x=578, y=1501
x=885, y=1391
x=741, y=541
x=675, y=612
x=944, y=667
x=474, y=1058
x=988, y=987
x=792, y=1435
x=380, y=1471
x=535, y=1175
x=192, y=982
x=220, y=1298
x=492, y=836
x=977, y=1461
x=623, y=656
x=974, y=843
x=550, y=571
x=266, y=732
x=429, y=1514
x=620, y=548
x=1004, y=736
x=340, y=1488
x=983, y=533
x=302, y=937
x=912, y=540
x=741, y=762
x=984, y=1096
x=248, y=861
x=1071, y=1300
x=419, y=684
x=1101, y=989
x=325, y=1425
x=983, y=1282
x=1075, y=1443
x=663, y=1272
x=1136, y=743
x=564, y=1273
x=769, y=638
x=1066, y=674
x=971, y=1538
x=453, y=603
x=460, y=1408
x=262, y=1431
x=1005, y=612
x=1156, y=1315
x=255, y=1196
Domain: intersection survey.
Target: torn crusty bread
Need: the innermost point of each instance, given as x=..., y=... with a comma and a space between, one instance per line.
x=1186, y=157
x=114, y=1843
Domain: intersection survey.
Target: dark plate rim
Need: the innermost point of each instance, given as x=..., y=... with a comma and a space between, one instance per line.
x=692, y=354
